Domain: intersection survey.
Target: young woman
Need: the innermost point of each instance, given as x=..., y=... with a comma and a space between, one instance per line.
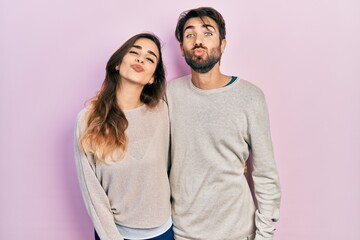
x=121, y=146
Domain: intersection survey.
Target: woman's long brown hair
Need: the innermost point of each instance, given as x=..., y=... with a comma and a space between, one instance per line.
x=106, y=122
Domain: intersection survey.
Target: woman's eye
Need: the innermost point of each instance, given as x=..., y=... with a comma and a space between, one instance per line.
x=150, y=60
x=133, y=52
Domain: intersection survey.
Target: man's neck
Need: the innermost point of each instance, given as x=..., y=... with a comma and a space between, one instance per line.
x=210, y=80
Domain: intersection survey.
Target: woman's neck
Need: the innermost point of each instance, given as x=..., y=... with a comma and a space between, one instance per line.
x=128, y=97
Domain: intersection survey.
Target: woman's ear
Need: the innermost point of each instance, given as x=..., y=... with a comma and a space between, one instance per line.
x=151, y=80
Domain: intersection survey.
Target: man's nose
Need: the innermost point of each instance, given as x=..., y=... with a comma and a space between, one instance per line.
x=198, y=40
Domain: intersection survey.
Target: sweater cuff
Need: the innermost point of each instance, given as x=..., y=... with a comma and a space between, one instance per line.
x=257, y=237
x=265, y=227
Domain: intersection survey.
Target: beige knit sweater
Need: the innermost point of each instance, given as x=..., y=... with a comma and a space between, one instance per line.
x=213, y=133
x=133, y=192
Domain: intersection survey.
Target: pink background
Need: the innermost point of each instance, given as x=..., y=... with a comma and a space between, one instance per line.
x=305, y=55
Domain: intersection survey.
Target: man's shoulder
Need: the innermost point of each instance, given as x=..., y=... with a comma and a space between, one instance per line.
x=181, y=81
x=250, y=88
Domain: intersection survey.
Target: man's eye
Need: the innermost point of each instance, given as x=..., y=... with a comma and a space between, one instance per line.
x=208, y=34
x=190, y=35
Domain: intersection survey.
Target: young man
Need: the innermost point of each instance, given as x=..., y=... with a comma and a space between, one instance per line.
x=217, y=121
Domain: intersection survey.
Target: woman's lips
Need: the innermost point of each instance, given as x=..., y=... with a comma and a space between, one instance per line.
x=137, y=68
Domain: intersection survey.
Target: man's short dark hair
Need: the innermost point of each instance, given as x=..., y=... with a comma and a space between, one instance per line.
x=200, y=13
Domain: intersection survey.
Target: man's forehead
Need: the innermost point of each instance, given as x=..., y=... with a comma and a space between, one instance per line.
x=203, y=21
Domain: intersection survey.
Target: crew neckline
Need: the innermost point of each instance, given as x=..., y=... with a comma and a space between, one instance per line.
x=135, y=109
x=233, y=79
x=227, y=87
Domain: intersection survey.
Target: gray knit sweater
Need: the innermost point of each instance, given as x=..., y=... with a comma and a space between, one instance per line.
x=133, y=192
x=213, y=133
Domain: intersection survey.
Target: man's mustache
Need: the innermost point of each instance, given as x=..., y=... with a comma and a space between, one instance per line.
x=198, y=46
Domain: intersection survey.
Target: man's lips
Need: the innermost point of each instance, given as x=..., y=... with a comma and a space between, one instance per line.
x=137, y=68
x=199, y=52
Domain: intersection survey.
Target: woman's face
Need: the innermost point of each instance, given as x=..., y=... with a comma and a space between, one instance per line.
x=139, y=63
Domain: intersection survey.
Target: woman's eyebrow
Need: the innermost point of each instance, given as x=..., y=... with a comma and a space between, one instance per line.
x=149, y=51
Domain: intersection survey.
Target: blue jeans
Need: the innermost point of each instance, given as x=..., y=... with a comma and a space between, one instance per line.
x=168, y=235
x=96, y=235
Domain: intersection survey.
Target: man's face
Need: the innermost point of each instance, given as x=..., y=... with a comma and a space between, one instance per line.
x=201, y=44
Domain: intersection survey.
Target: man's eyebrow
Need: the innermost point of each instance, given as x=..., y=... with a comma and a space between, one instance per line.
x=149, y=51
x=189, y=27
x=207, y=26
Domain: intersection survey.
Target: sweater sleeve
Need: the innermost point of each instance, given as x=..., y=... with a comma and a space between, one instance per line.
x=265, y=176
x=94, y=196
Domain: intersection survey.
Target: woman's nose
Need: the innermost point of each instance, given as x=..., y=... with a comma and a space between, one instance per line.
x=139, y=60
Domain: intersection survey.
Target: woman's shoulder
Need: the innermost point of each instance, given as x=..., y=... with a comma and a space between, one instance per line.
x=161, y=107
x=83, y=112
x=82, y=116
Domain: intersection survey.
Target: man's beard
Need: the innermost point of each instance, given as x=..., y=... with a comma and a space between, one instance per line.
x=203, y=66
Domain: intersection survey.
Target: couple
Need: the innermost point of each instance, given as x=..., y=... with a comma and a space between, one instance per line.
x=210, y=123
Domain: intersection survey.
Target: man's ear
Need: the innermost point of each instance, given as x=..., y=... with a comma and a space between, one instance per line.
x=182, y=49
x=223, y=45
